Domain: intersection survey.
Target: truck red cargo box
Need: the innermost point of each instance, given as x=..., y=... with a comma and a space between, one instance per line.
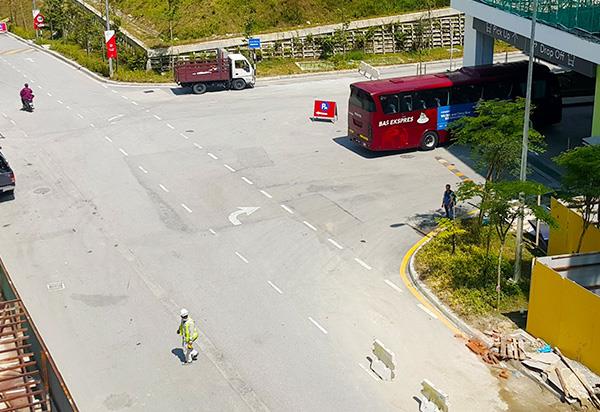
x=202, y=71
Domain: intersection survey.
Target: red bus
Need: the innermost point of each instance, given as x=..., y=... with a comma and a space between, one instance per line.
x=415, y=111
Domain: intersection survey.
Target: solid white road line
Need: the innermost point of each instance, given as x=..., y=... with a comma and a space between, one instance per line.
x=123, y=151
x=314, y=322
x=287, y=209
x=309, y=225
x=212, y=231
x=371, y=374
x=363, y=264
x=197, y=145
x=266, y=194
x=275, y=287
x=393, y=285
x=424, y=309
x=157, y=117
x=336, y=244
x=245, y=179
x=231, y=169
x=213, y=156
x=170, y=126
x=142, y=169
x=186, y=208
x=163, y=188
x=241, y=257
x=108, y=139
x=184, y=136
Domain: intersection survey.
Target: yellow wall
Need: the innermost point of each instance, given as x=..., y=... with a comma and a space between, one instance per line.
x=566, y=315
x=564, y=239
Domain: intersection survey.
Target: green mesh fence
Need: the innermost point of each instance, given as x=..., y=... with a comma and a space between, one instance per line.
x=581, y=17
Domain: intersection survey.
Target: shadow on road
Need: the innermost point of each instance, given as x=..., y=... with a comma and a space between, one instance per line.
x=345, y=142
x=179, y=353
x=182, y=91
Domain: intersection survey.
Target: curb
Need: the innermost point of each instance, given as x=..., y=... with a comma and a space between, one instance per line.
x=458, y=322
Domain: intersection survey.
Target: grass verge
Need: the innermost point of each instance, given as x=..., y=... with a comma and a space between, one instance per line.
x=466, y=279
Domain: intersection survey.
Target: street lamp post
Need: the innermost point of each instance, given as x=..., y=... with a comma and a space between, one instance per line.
x=110, y=62
x=524, y=149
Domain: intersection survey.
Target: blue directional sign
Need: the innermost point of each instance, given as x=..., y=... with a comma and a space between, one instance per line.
x=254, y=43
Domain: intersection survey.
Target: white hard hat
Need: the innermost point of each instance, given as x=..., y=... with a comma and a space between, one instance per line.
x=184, y=313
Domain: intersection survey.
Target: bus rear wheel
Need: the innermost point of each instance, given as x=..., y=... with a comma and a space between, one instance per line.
x=429, y=141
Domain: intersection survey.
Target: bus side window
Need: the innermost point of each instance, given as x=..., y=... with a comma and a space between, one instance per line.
x=431, y=99
x=499, y=90
x=389, y=103
x=406, y=102
x=468, y=93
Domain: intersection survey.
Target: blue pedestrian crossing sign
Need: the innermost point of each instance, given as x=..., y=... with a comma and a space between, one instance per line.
x=254, y=43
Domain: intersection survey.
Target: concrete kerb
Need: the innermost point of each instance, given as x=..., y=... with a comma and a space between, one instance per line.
x=413, y=276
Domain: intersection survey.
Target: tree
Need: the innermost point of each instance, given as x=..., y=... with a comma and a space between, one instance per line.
x=500, y=202
x=494, y=136
x=450, y=229
x=581, y=183
x=171, y=14
x=56, y=14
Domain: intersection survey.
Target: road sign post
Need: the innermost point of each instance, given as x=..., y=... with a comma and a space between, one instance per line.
x=111, y=47
x=39, y=20
x=253, y=44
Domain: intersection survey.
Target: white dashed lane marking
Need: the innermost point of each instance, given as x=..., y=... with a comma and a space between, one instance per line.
x=309, y=225
x=275, y=287
x=336, y=244
x=163, y=188
x=266, y=194
x=108, y=139
x=124, y=152
x=183, y=205
x=231, y=169
x=80, y=115
x=393, y=285
x=157, y=117
x=245, y=179
x=287, y=209
x=184, y=136
x=212, y=156
x=170, y=126
x=142, y=169
x=212, y=231
x=424, y=309
x=363, y=264
x=197, y=145
x=321, y=328
x=242, y=258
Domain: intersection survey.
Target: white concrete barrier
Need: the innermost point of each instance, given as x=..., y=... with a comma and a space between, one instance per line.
x=384, y=363
x=368, y=71
x=433, y=400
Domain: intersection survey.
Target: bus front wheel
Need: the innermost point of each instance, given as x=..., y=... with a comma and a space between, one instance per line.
x=429, y=141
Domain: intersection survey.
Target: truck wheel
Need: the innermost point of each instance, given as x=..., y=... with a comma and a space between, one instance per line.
x=429, y=141
x=199, y=88
x=238, y=84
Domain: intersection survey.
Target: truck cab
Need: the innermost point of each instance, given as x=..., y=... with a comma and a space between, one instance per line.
x=242, y=69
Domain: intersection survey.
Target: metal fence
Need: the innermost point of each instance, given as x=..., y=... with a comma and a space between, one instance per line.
x=581, y=17
x=59, y=396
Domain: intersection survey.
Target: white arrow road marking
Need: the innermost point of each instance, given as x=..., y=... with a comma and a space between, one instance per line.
x=112, y=119
x=233, y=218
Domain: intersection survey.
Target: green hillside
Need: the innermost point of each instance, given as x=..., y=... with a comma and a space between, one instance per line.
x=193, y=19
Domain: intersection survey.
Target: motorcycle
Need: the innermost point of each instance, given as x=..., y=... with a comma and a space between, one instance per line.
x=27, y=105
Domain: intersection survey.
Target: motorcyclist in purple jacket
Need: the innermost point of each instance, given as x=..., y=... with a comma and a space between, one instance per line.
x=26, y=96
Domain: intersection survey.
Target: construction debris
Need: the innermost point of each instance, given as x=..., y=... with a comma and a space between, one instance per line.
x=551, y=367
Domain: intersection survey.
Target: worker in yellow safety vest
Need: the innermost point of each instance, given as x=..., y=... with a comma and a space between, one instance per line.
x=189, y=334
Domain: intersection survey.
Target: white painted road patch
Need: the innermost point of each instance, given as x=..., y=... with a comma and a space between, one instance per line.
x=55, y=286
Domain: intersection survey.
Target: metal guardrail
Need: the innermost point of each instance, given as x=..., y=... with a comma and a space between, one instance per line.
x=60, y=397
x=580, y=17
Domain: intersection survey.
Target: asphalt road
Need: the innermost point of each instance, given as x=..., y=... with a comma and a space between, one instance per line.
x=124, y=196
